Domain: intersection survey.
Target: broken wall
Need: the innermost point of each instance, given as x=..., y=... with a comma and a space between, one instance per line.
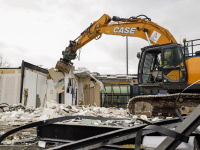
x=36, y=84
x=51, y=92
x=82, y=81
x=61, y=85
x=68, y=96
x=92, y=94
x=10, y=80
x=89, y=91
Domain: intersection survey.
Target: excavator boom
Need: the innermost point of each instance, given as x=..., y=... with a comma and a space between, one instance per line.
x=133, y=26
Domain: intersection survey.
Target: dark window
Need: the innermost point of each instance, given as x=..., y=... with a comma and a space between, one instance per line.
x=186, y=51
x=120, y=95
x=172, y=62
x=172, y=57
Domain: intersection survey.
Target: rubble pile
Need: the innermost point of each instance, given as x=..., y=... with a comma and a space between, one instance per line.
x=18, y=115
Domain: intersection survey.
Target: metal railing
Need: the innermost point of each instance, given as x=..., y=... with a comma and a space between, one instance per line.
x=190, y=44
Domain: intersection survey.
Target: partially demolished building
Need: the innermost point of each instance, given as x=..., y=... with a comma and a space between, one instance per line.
x=33, y=85
x=25, y=84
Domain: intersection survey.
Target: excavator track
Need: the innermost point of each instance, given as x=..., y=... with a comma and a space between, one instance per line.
x=155, y=105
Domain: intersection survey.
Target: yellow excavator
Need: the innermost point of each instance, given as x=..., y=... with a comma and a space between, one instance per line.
x=163, y=65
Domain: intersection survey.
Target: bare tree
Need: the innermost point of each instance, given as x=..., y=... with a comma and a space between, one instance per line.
x=4, y=62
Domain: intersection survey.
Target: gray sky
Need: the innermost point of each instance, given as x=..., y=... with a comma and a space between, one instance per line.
x=38, y=30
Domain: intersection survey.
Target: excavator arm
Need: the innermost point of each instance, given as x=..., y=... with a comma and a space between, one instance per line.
x=133, y=26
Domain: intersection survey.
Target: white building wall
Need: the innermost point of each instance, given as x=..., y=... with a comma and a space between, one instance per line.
x=42, y=87
x=36, y=84
x=51, y=92
x=10, y=86
x=30, y=79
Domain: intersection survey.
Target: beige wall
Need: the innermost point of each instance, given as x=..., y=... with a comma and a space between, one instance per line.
x=89, y=91
x=97, y=94
x=92, y=94
x=10, y=80
x=80, y=96
x=51, y=92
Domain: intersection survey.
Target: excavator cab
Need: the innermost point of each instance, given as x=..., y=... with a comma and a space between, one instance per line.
x=161, y=65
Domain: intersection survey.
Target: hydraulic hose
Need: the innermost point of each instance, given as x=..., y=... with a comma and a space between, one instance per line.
x=140, y=16
x=91, y=34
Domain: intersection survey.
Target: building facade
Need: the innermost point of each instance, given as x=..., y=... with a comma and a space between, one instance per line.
x=120, y=88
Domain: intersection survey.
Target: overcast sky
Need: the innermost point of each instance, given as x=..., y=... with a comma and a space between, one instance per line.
x=37, y=31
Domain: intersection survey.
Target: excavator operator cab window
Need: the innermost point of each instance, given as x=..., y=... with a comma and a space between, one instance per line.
x=162, y=65
x=185, y=51
x=152, y=67
x=173, y=69
x=172, y=57
x=158, y=63
x=168, y=58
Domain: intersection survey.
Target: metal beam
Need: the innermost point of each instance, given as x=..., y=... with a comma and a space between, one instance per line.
x=186, y=128
x=22, y=80
x=72, y=132
x=54, y=120
x=113, y=137
x=127, y=55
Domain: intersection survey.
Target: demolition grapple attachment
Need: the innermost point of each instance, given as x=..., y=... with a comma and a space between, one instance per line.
x=69, y=54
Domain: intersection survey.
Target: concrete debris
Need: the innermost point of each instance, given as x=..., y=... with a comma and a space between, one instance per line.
x=24, y=140
x=26, y=133
x=44, y=117
x=2, y=132
x=155, y=119
x=7, y=142
x=134, y=118
x=21, y=115
x=59, y=87
x=152, y=142
x=42, y=144
x=169, y=117
x=56, y=76
x=143, y=117
x=53, y=110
